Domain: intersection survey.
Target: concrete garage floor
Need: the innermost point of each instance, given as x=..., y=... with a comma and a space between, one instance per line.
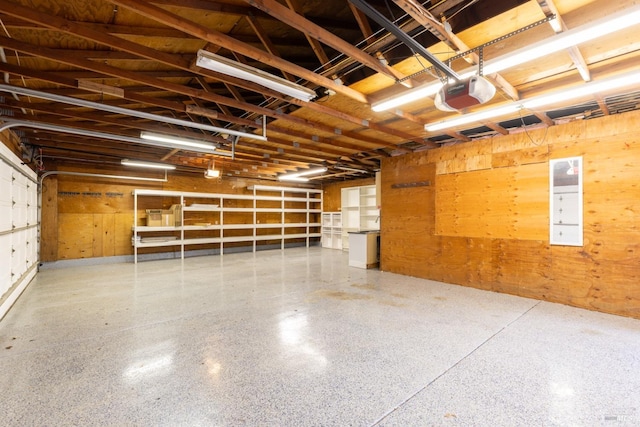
x=298, y=338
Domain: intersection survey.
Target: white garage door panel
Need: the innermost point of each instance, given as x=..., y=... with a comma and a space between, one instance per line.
x=32, y=204
x=32, y=246
x=20, y=183
x=19, y=254
x=5, y=263
x=5, y=197
x=18, y=207
x=20, y=217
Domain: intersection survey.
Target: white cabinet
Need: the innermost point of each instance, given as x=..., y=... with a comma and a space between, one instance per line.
x=565, y=204
x=360, y=211
x=332, y=230
x=363, y=249
x=272, y=215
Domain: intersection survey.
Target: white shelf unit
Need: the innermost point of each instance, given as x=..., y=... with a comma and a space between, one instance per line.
x=359, y=211
x=276, y=214
x=332, y=230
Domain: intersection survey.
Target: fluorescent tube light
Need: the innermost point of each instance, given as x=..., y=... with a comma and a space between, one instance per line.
x=586, y=89
x=590, y=88
x=473, y=117
x=226, y=66
x=312, y=171
x=407, y=97
x=293, y=178
x=150, y=136
x=299, y=176
x=587, y=32
x=414, y=94
x=138, y=163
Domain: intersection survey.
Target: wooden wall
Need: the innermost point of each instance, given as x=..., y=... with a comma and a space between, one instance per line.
x=484, y=220
x=85, y=217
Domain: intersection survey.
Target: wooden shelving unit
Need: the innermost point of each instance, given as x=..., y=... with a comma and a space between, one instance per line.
x=271, y=214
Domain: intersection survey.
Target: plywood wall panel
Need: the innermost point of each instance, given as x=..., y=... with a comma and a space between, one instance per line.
x=529, y=202
x=49, y=221
x=479, y=266
x=122, y=234
x=608, y=126
x=491, y=227
x=521, y=267
x=568, y=132
x=75, y=236
x=614, y=288
x=498, y=203
x=531, y=139
x=524, y=156
x=98, y=230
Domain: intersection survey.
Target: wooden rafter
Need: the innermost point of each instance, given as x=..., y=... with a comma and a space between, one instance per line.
x=73, y=28
x=426, y=19
x=215, y=37
x=315, y=44
x=549, y=8
x=363, y=23
x=298, y=22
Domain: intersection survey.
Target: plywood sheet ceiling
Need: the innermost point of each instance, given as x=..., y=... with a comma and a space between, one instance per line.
x=146, y=51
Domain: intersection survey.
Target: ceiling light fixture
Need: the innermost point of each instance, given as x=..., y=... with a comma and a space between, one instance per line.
x=585, y=89
x=300, y=176
x=9, y=122
x=587, y=32
x=175, y=140
x=126, y=111
x=139, y=163
x=212, y=172
x=226, y=66
x=607, y=25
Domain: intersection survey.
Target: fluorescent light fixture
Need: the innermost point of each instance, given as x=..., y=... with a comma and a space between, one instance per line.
x=293, y=178
x=587, y=32
x=139, y=163
x=407, y=97
x=211, y=173
x=607, y=25
x=299, y=176
x=586, y=89
x=119, y=110
x=226, y=66
x=169, y=139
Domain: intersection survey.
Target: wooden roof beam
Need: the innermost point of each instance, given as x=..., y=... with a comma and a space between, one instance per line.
x=549, y=8
x=163, y=16
x=298, y=22
x=172, y=87
x=315, y=44
x=602, y=104
x=266, y=42
x=427, y=20
x=363, y=23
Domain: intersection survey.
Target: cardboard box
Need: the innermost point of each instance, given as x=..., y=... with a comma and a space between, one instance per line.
x=160, y=218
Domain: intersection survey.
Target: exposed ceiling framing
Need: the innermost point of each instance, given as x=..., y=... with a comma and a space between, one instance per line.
x=140, y=55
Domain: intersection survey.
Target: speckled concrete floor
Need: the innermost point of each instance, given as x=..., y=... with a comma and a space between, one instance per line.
x=297, y=338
